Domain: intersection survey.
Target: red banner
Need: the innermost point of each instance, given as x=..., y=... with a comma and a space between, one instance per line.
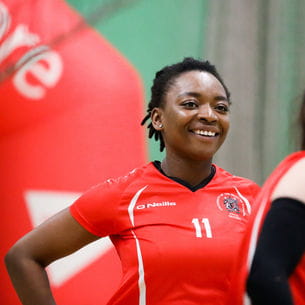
x=70, y=112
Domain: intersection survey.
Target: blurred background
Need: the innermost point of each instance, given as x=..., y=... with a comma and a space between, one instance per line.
x=75, y=78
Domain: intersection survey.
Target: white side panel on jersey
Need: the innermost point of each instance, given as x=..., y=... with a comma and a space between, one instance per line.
x=247, y=203
x=42, y=205
x=141, y=280
x=253, y=240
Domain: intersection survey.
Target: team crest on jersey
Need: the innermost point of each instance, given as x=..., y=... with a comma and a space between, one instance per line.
x=233, y=205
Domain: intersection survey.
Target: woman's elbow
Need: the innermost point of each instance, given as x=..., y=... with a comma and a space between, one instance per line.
x=14, y=256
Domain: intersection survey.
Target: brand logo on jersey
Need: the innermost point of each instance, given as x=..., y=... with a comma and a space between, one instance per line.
x=155, y=205
x=232, y=204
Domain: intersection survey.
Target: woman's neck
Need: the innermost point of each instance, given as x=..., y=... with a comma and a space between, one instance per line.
x=190, y=171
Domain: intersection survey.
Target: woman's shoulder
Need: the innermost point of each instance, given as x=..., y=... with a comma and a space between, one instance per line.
x=226, y=175
x=292, y=182
x=127, y=178
x=113, y=188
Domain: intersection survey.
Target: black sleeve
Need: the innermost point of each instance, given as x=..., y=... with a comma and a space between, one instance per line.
x=280, y=247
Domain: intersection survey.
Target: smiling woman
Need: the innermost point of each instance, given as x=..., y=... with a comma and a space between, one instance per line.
x=189, y=111
x=175, y=224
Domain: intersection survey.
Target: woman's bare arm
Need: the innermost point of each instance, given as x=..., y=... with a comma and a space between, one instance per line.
x=59, y=236
x=292, y=184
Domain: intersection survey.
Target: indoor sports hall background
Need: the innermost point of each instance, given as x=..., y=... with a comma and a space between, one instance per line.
x=74, y=81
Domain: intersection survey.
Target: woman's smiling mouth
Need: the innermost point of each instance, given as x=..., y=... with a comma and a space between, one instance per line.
x=206, y=133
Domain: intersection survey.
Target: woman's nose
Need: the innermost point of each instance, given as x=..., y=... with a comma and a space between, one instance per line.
x=207, y=113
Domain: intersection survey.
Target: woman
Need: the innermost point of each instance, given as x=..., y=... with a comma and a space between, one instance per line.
x=277, y=273
x=176, y=224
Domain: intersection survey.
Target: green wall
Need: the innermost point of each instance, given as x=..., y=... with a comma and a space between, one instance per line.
x=151, y=34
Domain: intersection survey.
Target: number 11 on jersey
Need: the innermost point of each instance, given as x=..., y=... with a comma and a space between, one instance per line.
x=205, y=225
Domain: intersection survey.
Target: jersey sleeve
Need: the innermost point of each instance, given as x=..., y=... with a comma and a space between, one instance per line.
x=97, y=209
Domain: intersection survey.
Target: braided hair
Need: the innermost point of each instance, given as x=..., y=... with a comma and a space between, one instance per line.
x=164, y=79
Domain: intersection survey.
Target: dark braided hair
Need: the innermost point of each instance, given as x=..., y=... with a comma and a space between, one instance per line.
x=165, y=78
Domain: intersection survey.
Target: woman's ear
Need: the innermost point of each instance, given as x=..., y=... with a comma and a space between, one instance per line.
x=156, y=118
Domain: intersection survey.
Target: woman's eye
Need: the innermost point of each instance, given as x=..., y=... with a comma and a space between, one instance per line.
x=190, y=104
x=222, y=108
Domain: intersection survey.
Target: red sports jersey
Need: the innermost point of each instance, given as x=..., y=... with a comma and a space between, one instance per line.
x=237, y=295
x=176, y=245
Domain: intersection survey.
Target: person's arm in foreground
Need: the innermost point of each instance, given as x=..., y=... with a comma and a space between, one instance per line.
x=26, y=261
x=281, y=243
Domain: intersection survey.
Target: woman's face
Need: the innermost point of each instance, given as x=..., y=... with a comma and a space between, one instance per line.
x=195, y=116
